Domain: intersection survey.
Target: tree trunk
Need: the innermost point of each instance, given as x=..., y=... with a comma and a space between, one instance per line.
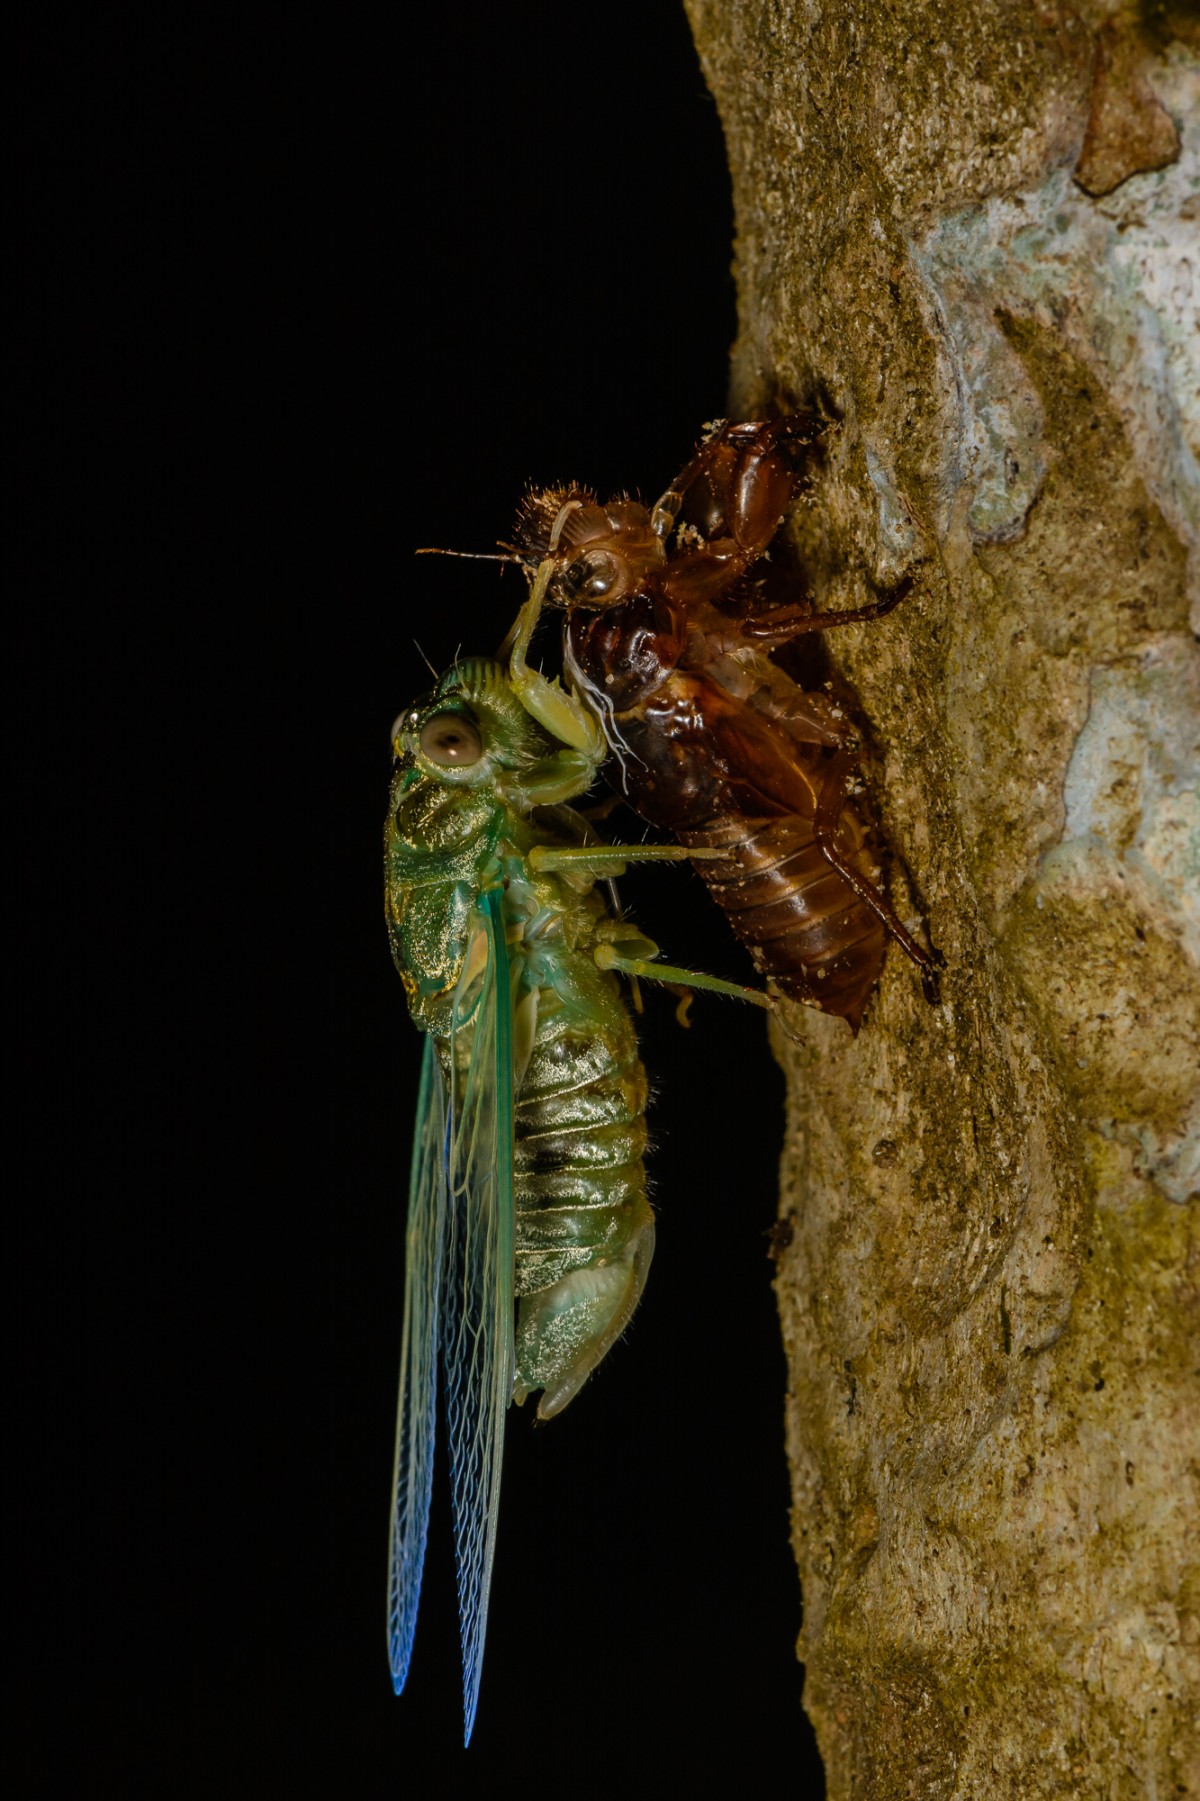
x=970, y=231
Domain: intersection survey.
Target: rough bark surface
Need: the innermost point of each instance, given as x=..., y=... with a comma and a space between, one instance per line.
x=973, y=229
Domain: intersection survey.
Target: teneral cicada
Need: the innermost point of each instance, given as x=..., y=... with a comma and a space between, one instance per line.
x=667, y=635
x=529, y=1232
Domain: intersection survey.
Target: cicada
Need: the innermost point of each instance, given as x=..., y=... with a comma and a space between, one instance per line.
x=667, y=634
x=529, y=1232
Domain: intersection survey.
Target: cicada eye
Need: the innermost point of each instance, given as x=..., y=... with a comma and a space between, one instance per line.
x=591, y=576
x=451, y=740
x=403, y=722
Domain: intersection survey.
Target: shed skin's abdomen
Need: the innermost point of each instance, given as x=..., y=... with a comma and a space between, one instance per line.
x=802, y=923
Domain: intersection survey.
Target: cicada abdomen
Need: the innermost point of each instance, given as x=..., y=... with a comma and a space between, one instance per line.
x=584, y=1230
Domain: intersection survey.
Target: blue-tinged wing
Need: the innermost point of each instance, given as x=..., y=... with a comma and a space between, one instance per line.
x=416, y=1414
x=477, y=1300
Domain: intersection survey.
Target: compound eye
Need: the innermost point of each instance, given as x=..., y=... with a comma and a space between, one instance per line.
x=591, y=576
x=403, y=722
x=451, y=740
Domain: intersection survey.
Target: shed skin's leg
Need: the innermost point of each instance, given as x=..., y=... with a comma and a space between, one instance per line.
x=752, y=484
x=786, y=623
x=828, y=813
x=749, y=475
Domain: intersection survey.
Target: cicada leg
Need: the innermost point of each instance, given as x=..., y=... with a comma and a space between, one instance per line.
x=746, y=465
x=603, y=857
x=565, y=716
x=829, y=810
x=609, y=958
x=668, y=506
x=683, y=996
x=734, y=493
x=785, y=623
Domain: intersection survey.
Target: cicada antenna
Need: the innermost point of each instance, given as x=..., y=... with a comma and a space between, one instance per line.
x=507, y=555
x=433, y=672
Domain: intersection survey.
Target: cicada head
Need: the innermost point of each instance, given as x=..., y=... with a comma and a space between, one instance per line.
x=603, y=553
x=468, y=733
x=461, y=751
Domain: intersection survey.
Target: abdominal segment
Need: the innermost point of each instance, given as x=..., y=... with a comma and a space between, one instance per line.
x=584, y=1232
x=802, y=923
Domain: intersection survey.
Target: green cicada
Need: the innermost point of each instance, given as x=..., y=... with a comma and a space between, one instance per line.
x=529, y=1232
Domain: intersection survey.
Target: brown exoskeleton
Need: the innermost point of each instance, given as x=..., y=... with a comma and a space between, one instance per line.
x=667, y=638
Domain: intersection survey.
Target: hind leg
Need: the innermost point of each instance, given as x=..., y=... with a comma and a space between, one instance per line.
x=825, y=826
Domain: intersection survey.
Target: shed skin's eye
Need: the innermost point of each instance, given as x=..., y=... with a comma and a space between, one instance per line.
x=451, y=740
x=590, y=576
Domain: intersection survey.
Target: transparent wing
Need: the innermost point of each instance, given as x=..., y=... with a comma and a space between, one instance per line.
x=425, y=1249
x=477, y=1315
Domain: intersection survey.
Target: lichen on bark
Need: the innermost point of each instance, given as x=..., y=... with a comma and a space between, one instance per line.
x=970, y=232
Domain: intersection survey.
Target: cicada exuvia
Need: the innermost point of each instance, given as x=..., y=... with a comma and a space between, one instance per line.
x=670, y=619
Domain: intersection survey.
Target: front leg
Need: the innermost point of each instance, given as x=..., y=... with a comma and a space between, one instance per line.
x=552, y=781
x=667, y=508
x=731, y=498
x=565, y=716
x=745, y=477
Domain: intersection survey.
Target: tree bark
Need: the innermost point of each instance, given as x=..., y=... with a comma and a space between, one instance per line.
x=970, y=232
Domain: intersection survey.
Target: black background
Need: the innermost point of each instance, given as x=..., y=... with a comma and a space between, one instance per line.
x=343, y=288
